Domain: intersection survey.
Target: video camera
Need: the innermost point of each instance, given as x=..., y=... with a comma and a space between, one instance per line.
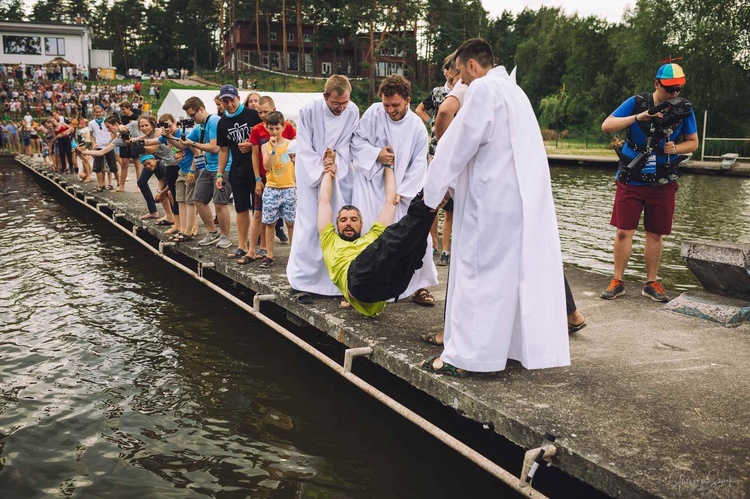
x=673, y=112
x=185, y=123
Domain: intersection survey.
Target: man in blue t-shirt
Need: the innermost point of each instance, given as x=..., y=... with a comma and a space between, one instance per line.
x=640, y=193
x=202, y=138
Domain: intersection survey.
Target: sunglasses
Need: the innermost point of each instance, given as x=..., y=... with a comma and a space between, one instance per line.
x=673, y=89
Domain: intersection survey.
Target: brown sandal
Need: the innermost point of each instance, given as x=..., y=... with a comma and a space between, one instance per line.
x=423, y=297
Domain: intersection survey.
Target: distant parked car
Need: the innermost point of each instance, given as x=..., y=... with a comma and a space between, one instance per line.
x=172, y=73
x=146, y=77
x=119, y=77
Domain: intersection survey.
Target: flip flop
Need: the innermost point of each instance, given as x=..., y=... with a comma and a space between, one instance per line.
x=267, y=262
x=447, y=369
x=245, y=259
x=574, y=328
x=302, y=297
x=237, y=253
x=431, y=339
x=164, y=223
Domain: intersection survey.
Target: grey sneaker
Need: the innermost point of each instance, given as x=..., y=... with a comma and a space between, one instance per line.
x=655, y=291
x=224, y=242
x=444, y=260
x=210, y=238
x=616, y=288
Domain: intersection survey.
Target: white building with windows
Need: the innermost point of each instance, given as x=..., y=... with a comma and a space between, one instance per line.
x=39, y=43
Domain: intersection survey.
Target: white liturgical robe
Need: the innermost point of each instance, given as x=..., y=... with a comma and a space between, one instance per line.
x=317, y=130
x=408, y=139
x=506, y=297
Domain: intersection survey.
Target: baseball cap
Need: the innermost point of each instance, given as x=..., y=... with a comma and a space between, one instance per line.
x=671, y=74
x=228, y=91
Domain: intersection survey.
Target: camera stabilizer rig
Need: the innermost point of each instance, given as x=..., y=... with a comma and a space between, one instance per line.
x=673, y=112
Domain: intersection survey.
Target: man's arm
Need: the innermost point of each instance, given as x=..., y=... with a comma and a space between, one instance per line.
x=223, y=160
x=324, y=201
x=614, y=124
x=420, y=111
x=389, y=203
x=446, y=113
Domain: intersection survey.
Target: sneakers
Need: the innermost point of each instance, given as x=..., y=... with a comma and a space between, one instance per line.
x=224, y=242
x=280, y=234
x=444, y=260
x=655, y=291
x=616, y=288
x=210, y=238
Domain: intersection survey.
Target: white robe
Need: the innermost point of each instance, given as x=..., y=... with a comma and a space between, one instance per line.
x=506, y=297
x=409, y=141
x=318, y=129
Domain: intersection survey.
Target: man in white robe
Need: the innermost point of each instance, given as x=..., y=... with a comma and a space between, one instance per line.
x=322, y=125
x=389, y=133
x=505, y=295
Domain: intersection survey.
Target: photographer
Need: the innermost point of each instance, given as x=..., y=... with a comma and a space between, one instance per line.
x=128, y=115
x=640, y=187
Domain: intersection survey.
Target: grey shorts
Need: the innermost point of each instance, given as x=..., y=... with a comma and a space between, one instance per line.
x=206, y=191
x=183, y=191
x=108, y=159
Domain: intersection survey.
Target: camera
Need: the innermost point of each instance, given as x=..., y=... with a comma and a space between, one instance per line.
x=185, y=123
x=673, y=112
x=137, y=148
x=125, y=135
x=164, y=124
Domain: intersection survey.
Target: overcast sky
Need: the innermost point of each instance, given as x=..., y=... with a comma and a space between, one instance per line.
x=609, y=9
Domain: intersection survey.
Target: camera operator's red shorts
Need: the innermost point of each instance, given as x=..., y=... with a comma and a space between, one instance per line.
x=657, y=202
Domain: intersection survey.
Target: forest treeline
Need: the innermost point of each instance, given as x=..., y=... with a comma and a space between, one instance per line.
x=576, y=70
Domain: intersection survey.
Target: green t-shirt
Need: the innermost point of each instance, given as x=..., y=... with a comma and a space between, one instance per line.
x=339, y=254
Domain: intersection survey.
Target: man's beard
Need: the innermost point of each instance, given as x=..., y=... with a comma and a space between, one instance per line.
x=350, y=238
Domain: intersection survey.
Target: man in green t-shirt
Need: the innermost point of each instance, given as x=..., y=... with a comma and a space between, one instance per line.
x=341, y=249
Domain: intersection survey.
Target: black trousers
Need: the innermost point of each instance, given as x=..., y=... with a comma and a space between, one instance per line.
x=385, y=268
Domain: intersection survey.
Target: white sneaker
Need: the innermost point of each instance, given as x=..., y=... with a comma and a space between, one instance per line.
x=224, y=242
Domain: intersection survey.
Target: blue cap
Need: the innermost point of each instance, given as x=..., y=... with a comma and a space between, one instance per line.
x=228, y=91
x=146, y=157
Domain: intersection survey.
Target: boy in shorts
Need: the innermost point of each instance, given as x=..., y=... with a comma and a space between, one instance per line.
x=280, y=193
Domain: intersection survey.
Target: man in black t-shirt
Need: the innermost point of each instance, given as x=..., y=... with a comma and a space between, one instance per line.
x=128, y=114
x=233, y=135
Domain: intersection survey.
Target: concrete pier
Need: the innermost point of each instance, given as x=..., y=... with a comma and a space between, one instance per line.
x=739, y=169
x=654, y=403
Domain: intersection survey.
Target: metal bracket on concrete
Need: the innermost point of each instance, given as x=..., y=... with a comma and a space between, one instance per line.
x=204, y=265
x=350, y=353
x=163, y=245
x=99, y=206
x=115, y=216
x=86, y=199
x=259, y=298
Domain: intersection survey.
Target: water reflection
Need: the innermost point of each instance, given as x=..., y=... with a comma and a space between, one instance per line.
x=120, y=376
x=708, y=207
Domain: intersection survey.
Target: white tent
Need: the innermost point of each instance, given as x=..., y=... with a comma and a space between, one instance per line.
x=288, y=103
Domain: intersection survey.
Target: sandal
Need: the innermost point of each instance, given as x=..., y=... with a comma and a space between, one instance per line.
x=423, y=297
x=99, y=188
x=267, y=262
x=181, y=238
x=109, y=187
x=302, y=297
x=164, y=223
x=172, y=230
x=237, y=253
x=431, y=339
x=447, y=369
x=574, y=328
x=245, y=259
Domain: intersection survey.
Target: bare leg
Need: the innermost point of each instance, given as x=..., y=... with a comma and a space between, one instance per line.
x=434, y=234
x=204, y=211
x=222, y=213
x=447, y=230
x=243, y=226
x=622, y=251
x=652, y=255
x=256, y=229
x=124, y=173
x=290, y=230
x=270, y=231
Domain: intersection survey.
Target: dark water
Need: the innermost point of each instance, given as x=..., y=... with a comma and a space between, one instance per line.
x=708, y=207
x=121, y=377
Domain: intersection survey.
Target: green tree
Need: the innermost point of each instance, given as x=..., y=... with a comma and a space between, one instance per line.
x=12, y=10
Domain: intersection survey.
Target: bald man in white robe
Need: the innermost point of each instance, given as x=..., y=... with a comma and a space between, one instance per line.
x=322, y=125
x=389, y=133
x=506, y=295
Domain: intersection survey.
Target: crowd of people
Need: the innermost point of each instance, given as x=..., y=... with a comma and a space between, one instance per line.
x=360, y=197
